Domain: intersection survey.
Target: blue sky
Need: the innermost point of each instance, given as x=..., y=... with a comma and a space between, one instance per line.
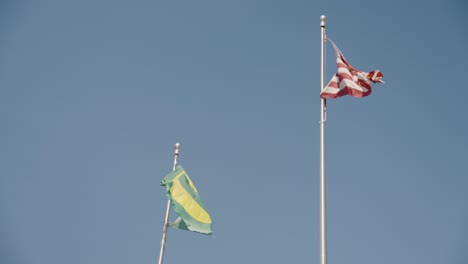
x=94, y=95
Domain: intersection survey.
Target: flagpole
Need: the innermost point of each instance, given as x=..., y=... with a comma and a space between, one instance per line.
x=168, y=207
x=323, y=230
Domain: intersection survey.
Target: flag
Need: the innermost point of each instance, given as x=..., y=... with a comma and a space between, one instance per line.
x=349, y=80
x=186, y=203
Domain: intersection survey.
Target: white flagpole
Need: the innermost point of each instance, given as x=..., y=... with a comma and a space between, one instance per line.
x=323, y=229
x=168, y=207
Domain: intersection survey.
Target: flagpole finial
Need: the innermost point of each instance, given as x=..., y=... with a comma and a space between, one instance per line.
x=322, y=20
x=176, y=151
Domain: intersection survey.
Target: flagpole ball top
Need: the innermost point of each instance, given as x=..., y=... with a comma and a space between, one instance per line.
x=177, y=146
x=322, y=20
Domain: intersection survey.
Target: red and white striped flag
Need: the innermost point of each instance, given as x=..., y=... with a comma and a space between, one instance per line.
x=349, y=80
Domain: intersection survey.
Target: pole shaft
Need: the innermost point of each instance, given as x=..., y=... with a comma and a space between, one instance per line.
x=168, y=207
x=323, y=230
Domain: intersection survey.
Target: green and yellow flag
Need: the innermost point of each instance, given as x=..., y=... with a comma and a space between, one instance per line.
x=186, y=202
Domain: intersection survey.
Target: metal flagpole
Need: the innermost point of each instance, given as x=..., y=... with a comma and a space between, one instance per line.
x=323, y=229
x=168, y=207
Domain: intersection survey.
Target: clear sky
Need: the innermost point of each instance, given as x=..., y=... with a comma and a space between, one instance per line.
x=95, y=93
